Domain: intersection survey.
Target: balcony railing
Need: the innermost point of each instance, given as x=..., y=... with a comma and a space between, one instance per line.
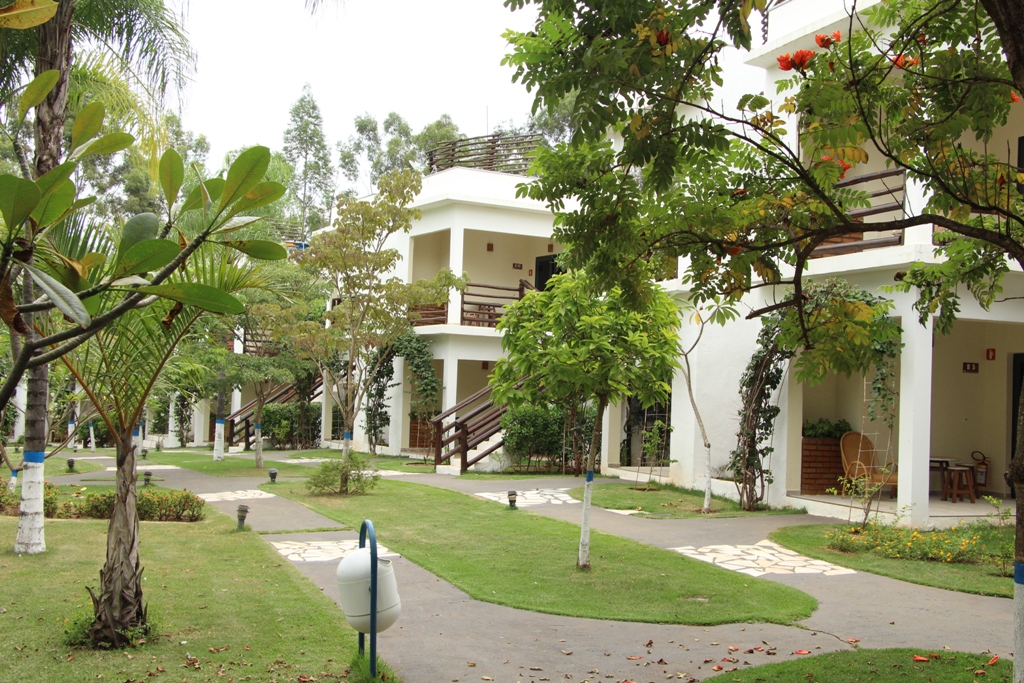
x=499, y=152
x=481, y=305
x=887, y=191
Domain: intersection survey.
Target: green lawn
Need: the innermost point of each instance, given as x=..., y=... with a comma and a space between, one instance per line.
x=967, y=578
x=666, y=502
x=205, y=585
x=56, y=466
x=411, y=465
x=523, y=560
x=202, y=461
x=878, y=666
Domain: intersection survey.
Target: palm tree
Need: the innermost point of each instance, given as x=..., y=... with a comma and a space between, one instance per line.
x=118, y=369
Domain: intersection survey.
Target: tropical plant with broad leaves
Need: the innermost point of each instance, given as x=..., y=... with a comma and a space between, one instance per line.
x=118, y=369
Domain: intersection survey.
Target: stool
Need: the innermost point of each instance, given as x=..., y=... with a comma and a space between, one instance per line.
x=961, y=481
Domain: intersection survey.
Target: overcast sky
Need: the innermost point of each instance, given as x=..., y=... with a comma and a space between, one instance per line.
x=421, y=59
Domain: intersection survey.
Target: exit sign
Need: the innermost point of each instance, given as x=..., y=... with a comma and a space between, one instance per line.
x=971, y=368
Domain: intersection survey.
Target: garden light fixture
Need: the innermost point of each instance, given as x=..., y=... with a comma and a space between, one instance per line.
x=148, y=478
x=512, y=500
x=243, y=511
x=273, y=475
x=71, y=464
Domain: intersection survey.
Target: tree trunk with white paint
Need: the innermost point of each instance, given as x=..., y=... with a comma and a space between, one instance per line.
x=218, y=429
x=31, y=538
x=583, y=560
x=92, y=438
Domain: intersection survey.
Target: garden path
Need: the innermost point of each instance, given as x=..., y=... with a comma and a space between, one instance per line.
x=444, y=635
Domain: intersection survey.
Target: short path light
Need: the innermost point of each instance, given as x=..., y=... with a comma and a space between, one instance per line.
x=369, y=592
x=243, y=511
x=147, y=478
x=273, y=475
x=512, y=500
x=144, y=452
x=71, y=464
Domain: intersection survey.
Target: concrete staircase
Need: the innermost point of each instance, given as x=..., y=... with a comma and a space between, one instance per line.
x=493, y=462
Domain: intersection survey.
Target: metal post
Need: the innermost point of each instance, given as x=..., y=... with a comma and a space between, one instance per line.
x=367, y=530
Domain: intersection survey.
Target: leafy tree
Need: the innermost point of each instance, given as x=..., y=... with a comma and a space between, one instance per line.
x=371, y=306
x=554, y=122
x=305, y=148
x=566, y=342
x=392, y=146
x=118, y=369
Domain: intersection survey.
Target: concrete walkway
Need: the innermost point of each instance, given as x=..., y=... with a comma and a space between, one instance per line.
x=444, y=635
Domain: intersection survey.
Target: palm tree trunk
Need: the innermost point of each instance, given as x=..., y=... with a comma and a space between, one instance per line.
x=31, y=538
x=583, y=561
x=119, y=608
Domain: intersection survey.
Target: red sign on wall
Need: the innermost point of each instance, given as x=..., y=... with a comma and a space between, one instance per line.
x=990, y=354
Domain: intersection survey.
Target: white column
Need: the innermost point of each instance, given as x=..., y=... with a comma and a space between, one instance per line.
x=786, y=461
x=236, y=401
x=455, y=262
x=915, y=408
x=450, y=377
x=915, y=196
x=172, y=424
x=611, y=436
x=200, y=422
x=685, y=442
x=326, y=416
x=397, y=410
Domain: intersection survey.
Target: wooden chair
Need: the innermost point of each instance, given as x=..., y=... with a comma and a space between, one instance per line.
x=859, y=462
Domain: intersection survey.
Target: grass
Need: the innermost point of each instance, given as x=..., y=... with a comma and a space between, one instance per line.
x=202, y=461
x=527, y=561
x=879, y=666
x=205, y=585
x=665, y=501
x=410, y=465
x=967, y=578
x=54, y=467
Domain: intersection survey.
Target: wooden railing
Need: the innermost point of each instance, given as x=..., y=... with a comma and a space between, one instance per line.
x=499, y=152
x=457, y=435
x=239, y=425
x=430, y=315
x=887, y=191
x=483, y=305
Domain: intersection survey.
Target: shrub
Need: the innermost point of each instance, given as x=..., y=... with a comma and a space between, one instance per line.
x=9, y=500
x=532, y=431
x=826, y=429
x=283, y=424
x=172, y=506
x=958, y=544
x=99, y=429
x=343, y=476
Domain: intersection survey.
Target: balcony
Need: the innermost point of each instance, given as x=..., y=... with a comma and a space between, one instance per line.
x=887, y=190
x=499, y=152
x=480, y=305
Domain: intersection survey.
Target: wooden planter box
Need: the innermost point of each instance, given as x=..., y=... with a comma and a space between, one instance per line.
x=821, y=465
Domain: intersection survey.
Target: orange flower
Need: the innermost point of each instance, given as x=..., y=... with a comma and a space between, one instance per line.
x=785, y=62
x=902, y=62
x=1014, y=97
x=837, y=36
x=801, y=58
x=823, y=41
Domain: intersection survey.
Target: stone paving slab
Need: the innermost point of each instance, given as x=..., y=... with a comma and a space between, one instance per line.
x=322, y=551
x=761, y=559
x=248, y=494
x=534, y=497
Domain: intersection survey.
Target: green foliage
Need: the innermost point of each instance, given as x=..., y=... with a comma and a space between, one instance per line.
x=391, y=147
x=305, y=148
x=533, y=430
x=359, y=670
x=343, y=476
x=959, y=544
x=292, y=425
x=825, y=428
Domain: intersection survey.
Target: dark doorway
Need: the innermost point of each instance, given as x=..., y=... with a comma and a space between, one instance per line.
x=546, y=268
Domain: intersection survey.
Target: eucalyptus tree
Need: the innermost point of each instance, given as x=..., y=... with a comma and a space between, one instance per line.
x=305, y=148
x=118, y=369
x=569, y=341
